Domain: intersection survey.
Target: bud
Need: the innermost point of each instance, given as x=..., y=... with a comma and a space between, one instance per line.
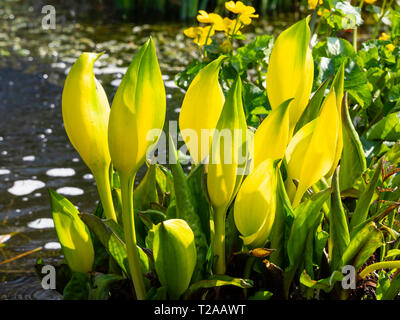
x=291, y=70
x=138, y=108
x=312, y=151
x=86, y=111
x=174, y=255
x=255, y=204
x=201, y=109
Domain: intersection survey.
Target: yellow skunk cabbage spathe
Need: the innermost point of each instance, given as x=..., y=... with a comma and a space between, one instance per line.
x=86, y=111
x=272, y=136
x=136, y=120
x=201, y=109
x=291, y=70
x=226, y=166
x=138, y=108
x=174, y=255
x=312, y=151
x=255, y=204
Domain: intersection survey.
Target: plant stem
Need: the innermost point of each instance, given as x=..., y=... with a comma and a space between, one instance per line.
x=355, y=33
x=102, y=179
x=379, y=265
x=130, y=235
x=219, y=240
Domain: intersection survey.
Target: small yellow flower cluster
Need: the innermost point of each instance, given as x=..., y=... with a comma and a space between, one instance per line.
x=370, y=1
x=202, y=35
x=312, y=4
x=384, y=36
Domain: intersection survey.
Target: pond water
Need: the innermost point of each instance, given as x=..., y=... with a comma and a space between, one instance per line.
x=35, y=153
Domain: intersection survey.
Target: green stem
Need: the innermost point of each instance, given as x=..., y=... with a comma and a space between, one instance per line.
x=130, y=235
x=247, y=271
x=219, y=240
x=382, y=14
x=102, y=179
x=355, y=33
x=379, y=265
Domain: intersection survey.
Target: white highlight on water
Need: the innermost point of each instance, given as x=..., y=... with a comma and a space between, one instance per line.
x=60, y=172
x=41, y=223
x=24, y=187
x=70, y=191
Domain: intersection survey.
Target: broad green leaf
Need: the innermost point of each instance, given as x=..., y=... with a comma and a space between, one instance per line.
x=78, y=288
x=339, y=237
x=387, y=128
x=72, y=233
x=393, y=291
x=361, y=212
x=102, y=285
x=392, y=253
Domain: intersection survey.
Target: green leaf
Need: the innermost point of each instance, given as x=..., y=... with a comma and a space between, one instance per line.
x=284, y=217
x=339, y=237
x=72, y=233
x=362, y=245
x=314, y=106
x=186, y=210
x=218, y=281
x=353, y=162
x=388, y=128
x=78, y=288
x=322, y=284
x=111, y=235
x=102, y=285
x=361, y=212
x=392, y=253
x=308, y=216
x=261, y=295
x=394, y=289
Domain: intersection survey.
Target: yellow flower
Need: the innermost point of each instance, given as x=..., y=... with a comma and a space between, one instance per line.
x=200, y=34
x=229, y=26
x=239, y=7
x=245, y=18
x=212, y=18
x=390, y=47
x=246, y=13
x=370, y=1
x=384, y=36
x=312, y=4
